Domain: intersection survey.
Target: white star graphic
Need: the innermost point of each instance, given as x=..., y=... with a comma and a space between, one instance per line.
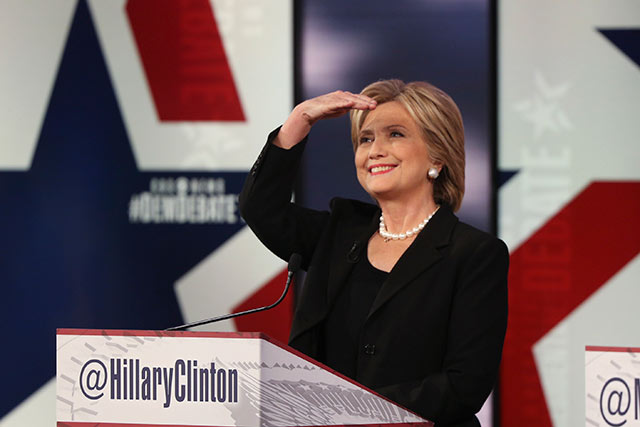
x=543, y=109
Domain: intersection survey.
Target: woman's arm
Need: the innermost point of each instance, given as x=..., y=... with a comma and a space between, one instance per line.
x=285, y=227
x=265, y=204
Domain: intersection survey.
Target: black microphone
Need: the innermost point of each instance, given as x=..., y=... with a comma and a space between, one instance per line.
x=294, y=265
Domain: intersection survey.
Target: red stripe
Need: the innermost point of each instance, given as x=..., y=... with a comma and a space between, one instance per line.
x=184, y=60
x=552, y=273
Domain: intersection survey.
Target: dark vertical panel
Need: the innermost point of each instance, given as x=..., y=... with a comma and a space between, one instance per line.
x=346, y=45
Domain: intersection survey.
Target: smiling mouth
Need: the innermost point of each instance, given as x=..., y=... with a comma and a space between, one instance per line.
x=381, y=169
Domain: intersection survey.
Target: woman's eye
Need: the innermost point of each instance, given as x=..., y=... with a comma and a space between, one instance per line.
x=396, y=134
x=365, y=139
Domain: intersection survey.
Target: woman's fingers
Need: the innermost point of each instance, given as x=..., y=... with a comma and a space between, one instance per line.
x=307, y=113
x=354, y=100
x=362, y=101
x=335, y=104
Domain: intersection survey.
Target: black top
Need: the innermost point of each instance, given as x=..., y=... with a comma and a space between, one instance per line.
x=345, y=321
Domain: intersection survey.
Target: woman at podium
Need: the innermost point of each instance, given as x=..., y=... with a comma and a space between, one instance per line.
x=399, y=294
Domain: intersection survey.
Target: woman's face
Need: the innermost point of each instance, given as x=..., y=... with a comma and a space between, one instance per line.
x=392, y=159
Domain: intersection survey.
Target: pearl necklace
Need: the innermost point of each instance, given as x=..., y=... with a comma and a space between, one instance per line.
x=392, y=236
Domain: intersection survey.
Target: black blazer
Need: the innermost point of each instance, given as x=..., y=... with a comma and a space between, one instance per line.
x=433, y=338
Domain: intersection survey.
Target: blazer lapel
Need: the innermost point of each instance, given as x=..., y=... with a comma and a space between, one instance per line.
x=422, y=254
x=351, y=245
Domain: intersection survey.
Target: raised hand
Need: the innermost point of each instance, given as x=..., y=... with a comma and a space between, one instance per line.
x=307, y=113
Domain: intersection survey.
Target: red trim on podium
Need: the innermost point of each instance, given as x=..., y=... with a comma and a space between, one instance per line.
x=83, y=424
x=613, y=349
x=159, y=334
x=77, y=424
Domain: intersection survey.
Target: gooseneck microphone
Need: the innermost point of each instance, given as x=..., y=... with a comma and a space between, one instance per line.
x=294, y=265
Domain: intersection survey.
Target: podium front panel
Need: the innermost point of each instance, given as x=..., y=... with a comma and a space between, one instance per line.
x=158, y=378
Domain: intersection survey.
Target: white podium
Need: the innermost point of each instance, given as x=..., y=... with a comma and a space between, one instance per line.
x=159, y=378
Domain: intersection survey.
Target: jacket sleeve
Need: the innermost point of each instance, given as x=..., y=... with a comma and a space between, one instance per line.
x=265, y=204
x=475, y=338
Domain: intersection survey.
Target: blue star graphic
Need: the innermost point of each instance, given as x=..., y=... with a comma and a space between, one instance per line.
x=70, y=255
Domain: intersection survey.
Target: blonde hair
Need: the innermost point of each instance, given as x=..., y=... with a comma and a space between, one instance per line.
x=440, y=120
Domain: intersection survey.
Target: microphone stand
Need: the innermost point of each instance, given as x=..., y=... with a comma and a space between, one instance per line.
x=293, y=267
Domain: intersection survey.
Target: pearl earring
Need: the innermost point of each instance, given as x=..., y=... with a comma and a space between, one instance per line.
x=433, y=173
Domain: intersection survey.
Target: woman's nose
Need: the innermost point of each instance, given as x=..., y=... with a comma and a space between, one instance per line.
x=377, y=149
